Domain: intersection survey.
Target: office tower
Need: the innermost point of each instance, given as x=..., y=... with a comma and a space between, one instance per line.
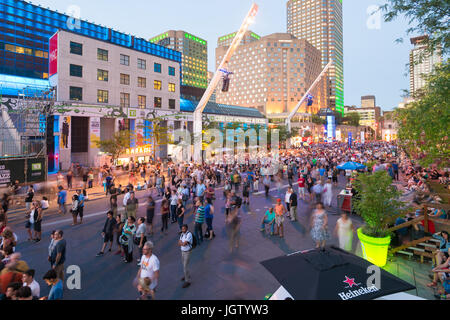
x=421, y=63
x=194, y=60
x=368, y=102
x=320, y=22
x=272, y=74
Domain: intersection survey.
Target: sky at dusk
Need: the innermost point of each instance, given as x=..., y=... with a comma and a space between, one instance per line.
x=374, y=63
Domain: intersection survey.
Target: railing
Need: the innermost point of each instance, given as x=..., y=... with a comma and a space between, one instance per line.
x=426, y=219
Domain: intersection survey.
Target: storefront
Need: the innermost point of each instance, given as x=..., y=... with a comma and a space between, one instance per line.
x=143, y=154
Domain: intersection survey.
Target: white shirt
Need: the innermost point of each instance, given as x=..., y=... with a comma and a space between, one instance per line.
x=287, y=198
x=148, y=268
x=35, y=288
x=125, y=199
x=186, y=237
x=44, y=204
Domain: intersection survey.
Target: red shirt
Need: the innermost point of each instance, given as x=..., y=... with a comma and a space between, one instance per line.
x=301, y=182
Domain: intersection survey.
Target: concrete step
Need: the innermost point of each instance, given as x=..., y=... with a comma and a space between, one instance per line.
x=407, y=253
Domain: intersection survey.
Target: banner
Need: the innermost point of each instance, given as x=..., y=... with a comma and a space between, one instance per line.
x=53, y=57
x=350, y=140
x=94, y=132
x=363, y=137
x=65, y=133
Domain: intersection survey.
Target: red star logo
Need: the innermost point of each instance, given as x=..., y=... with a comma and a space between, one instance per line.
x=350, y=281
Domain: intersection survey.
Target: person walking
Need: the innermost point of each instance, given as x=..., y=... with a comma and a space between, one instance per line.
x=81, y=201
x=280, y=210
x=149, y=267
x=199, y=220
x=140, y=239
x=69, y=177
x=58, y=255
x=266, y=182
x=344, y=231
x=74, y=209
x=319, y=226
x=328, y=193
x=209, y=215
x=132, y=205
x=29, y=197
x=234, y=227
x=164, y=215
x=128, y=232
x=293, y=205
x=180, y=209
x=150, y=213
x=186, y=244
x=173, y=206
x=108, y=232
x=62, y=195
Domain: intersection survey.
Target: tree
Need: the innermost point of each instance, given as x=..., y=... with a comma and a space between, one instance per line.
x=317, y=120
x=423, y=125
x=307, y=134
x=376, y=202
x=352, y=119
x=430, y=17
x=115, y=146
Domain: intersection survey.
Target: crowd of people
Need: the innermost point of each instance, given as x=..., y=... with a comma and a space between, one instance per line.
x=189, y=190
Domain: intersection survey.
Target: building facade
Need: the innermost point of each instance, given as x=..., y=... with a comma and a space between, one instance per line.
x=272, y=74
x=321, y=23
x=226, y=40
x=368, y=102
x=389, y=127
x=25, y=29
x=194, y=66
x=421, y=63
x=102, y=88
x=370, y=117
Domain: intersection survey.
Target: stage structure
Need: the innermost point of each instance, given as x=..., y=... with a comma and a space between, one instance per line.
x=249, y=19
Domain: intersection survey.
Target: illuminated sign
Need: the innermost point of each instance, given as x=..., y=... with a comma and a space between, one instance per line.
x=53, y=57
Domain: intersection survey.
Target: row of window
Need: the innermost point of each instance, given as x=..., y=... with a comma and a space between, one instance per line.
x=102, y=55
x=103, y=75
x=76, y=94
x=23, y=50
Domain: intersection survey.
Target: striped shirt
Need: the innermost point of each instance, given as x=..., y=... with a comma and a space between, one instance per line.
x=200, y=215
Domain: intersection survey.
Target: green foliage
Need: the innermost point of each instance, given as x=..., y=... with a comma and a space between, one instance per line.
x=429, y=17
x=115, y=146
x=423, y=125
x=352, y=119
x=317, y=120
x=377, y=202
x=307, y=134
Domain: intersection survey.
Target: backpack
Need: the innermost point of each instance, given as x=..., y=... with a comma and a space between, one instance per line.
x=194, y=241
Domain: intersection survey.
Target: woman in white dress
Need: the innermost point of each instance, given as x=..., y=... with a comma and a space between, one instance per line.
x=344, y=231
x=328, y=193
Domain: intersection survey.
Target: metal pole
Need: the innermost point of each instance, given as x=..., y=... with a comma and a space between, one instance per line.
x=215, y=81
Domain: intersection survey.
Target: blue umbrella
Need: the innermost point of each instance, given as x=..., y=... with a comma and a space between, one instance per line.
x=351, y=166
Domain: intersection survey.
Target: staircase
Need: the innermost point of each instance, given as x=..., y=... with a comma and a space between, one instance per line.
x=422, y=248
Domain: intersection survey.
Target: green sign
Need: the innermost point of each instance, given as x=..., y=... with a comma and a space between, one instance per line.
x=36, y=166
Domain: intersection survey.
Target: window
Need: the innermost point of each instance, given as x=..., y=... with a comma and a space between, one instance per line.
x=157, y=85
x=171, y=71
x=124, y=100
x=76, y=71
x=142, y=64
x=124, y=60
x=76, y=93
x=158, y=102
x=157, y=67
x=125, y=79
x=171, y=103
x=102, y=54
x=102, y=75
x=171, y=87
x=76, y=48
x=142, y=102
x=142, y=82
x=102, y=96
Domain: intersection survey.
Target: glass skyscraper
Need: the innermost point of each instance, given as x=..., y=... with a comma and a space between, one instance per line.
x=321, y=23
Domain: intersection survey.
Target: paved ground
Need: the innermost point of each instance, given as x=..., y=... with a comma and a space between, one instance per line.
x=216, y=273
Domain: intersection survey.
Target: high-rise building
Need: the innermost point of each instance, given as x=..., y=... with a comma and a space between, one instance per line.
x=226, y=40
x=368, y=102
x=194, y=64
x=421, y=63
x=272, y=74
x=320, y=22
x=25, y=30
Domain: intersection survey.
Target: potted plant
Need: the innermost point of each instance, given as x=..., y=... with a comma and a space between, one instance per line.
x=377, y=202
